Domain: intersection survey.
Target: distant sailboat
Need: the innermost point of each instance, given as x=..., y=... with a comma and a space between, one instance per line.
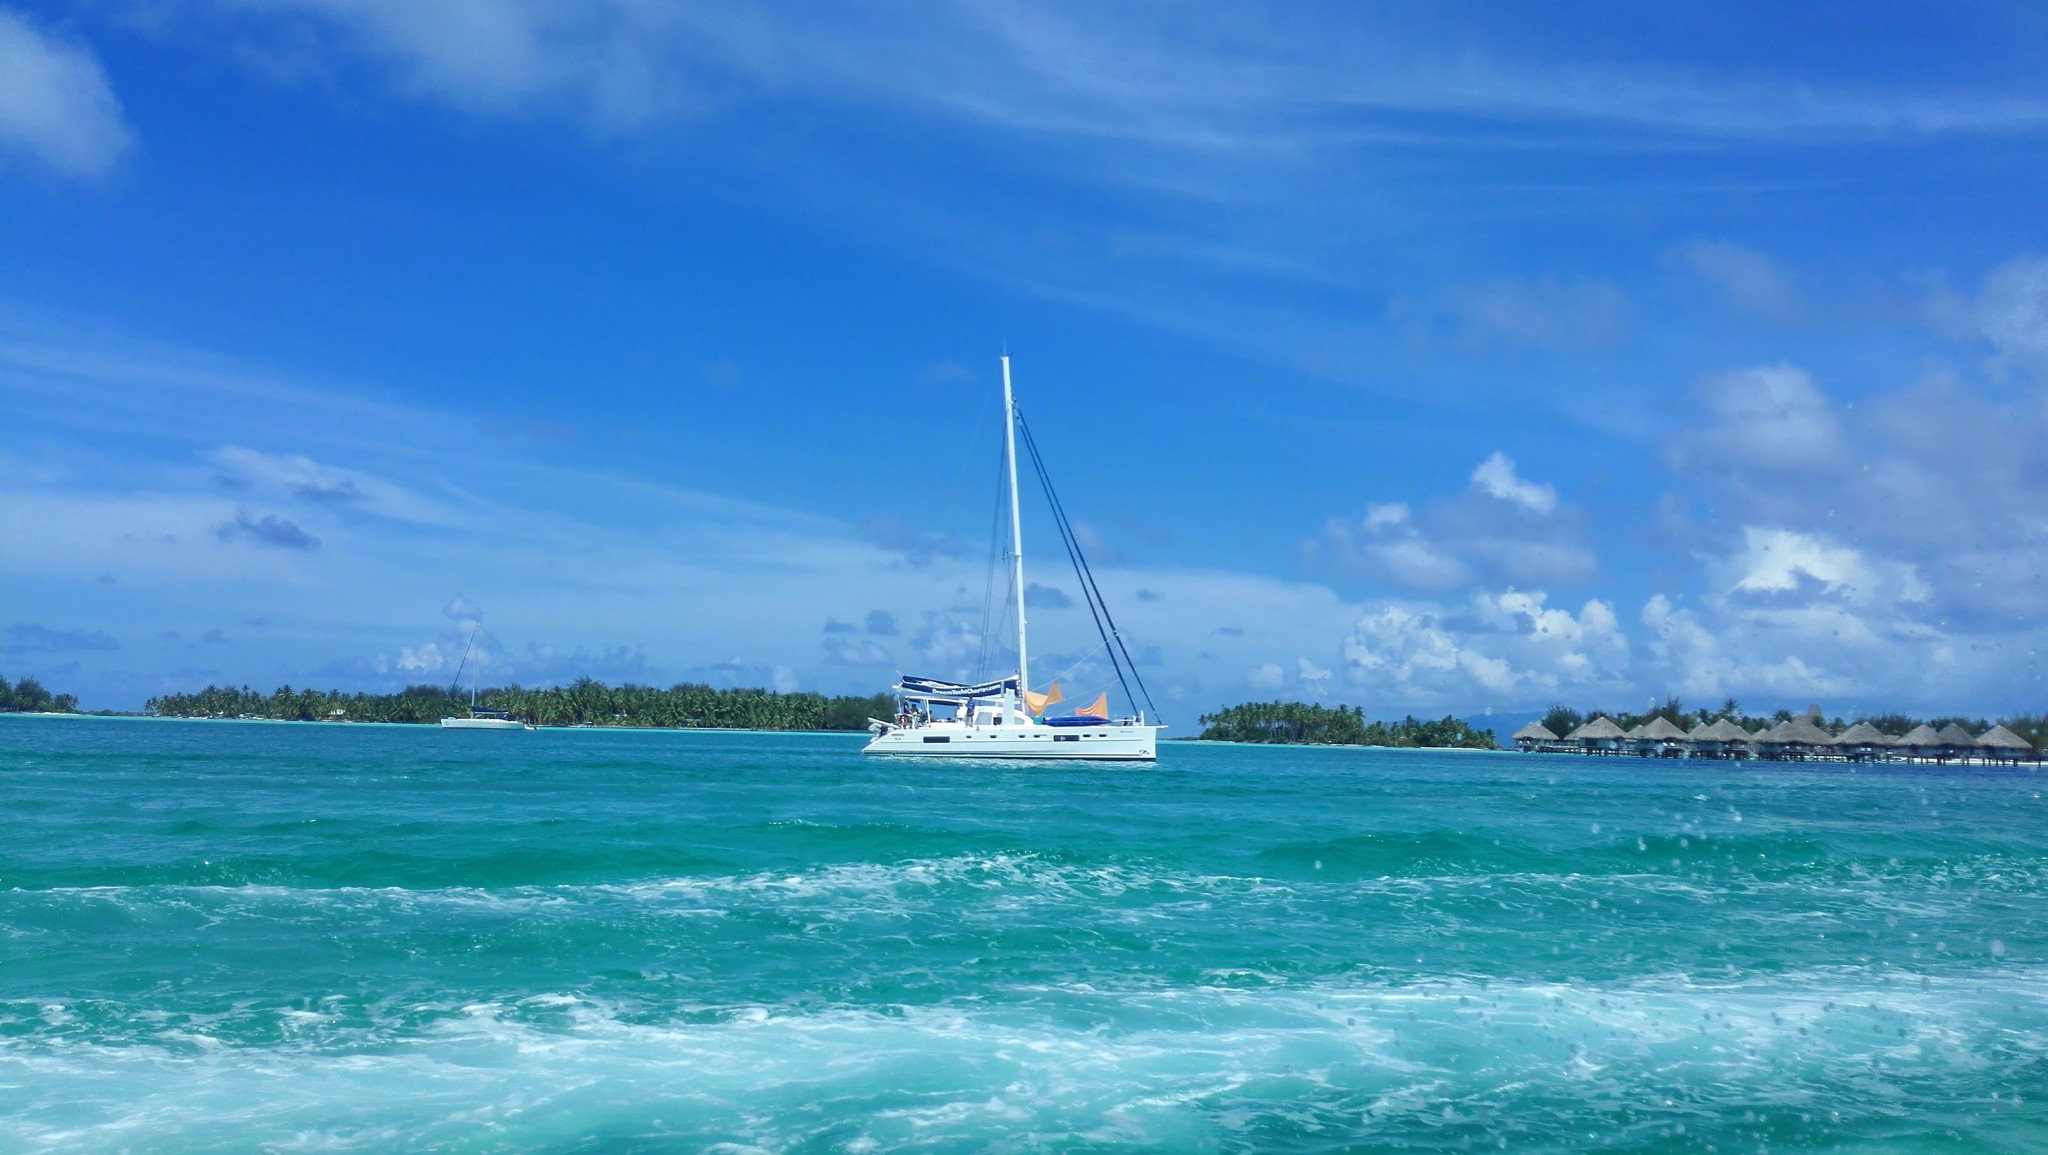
x=479, y=719
x=1005, y=718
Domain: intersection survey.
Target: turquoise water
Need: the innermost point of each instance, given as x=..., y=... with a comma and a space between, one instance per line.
x=271, y=937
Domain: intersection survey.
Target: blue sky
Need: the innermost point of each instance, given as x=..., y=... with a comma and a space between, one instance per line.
x=1425, y=357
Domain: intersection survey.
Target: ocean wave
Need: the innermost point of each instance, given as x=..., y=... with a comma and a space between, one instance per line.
x=1836, y=1053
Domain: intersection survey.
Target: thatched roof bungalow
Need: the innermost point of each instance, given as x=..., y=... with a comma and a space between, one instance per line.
x=1952, y=741
x=1658, y=737
x=1720, y=738
x=1919, y=742
x=1799, y=739
x=1597, y=736
x=1796, y=739
x=1863, y=741
x=2003, y=745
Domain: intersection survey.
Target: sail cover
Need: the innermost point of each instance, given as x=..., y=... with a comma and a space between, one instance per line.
x=933, y=688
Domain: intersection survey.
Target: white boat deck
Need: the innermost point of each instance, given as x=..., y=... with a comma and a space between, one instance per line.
x=1121, y=741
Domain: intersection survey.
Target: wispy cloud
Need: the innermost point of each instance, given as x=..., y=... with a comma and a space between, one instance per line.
x=1496, y=477
x=56, y=106
x=2009, y=312
x=1231, y=81
x=31, y=638
x=268, y=530
x=294, y=476
x=1549, y=314
x=1260, y=183
x=1503, y=529
x=1747, y=279
x=1046, y=597
x=917, y=546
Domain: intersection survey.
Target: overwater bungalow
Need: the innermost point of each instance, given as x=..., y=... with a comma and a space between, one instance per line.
x=1599, y=736
x=1657, y=738
x=2002, y=745
x=1798, y=740
x=1863, y=742
x=1953, y=743
x=1720, y=738
x=1919, y=742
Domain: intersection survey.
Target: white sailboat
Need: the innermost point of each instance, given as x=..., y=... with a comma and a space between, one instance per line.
x=1005, y=718
x=479, y=719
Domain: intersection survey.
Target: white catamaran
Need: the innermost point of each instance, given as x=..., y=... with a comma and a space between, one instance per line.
x=479, y=719
x=1005, y=718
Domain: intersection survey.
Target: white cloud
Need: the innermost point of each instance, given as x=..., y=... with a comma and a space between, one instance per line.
x=1379, y=517
x=949, y=644
x=1503, y=528
x=1892, y=548
x=844, y=651
x=298, y=478
x=1940, y=479
x=1392, y=550
x=1266, y=676
x=1781, y=561
x=1405, y=651
x=421, y=659
x=1790, y=614
x=2011, y=311
x=1496, y=476
x=1243, y=144
x=1770, y=418
x=1910, y=590
x=55, y=103
x=1232, y=81
x=1748, y=280
x=1689, y=659
x=1504, y=648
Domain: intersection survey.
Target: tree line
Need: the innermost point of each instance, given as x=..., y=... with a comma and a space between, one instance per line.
x=584, y=702
x=1562, y=720
x=29, y=697
x=1306, y=723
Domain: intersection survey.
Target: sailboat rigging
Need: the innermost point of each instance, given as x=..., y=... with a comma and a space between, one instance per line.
x=479, y=719
x=1005, y=718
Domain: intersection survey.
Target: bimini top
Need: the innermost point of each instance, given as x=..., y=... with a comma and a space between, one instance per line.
x=933, y=688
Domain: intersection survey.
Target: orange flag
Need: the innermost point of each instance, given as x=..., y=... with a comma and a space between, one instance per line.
x=1099, y=708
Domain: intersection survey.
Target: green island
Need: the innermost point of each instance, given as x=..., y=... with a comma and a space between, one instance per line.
x=29, y=697
x=1308, y=724
x=584, y=702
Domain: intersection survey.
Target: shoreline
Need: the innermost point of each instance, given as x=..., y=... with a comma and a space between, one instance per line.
x=1339, y=746
x=419, y=725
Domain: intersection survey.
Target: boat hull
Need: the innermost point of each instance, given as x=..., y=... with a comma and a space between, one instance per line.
x=1044, y=743
x=483, y=724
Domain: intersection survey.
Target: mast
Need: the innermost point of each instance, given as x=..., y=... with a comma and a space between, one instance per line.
x=1016, y=527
